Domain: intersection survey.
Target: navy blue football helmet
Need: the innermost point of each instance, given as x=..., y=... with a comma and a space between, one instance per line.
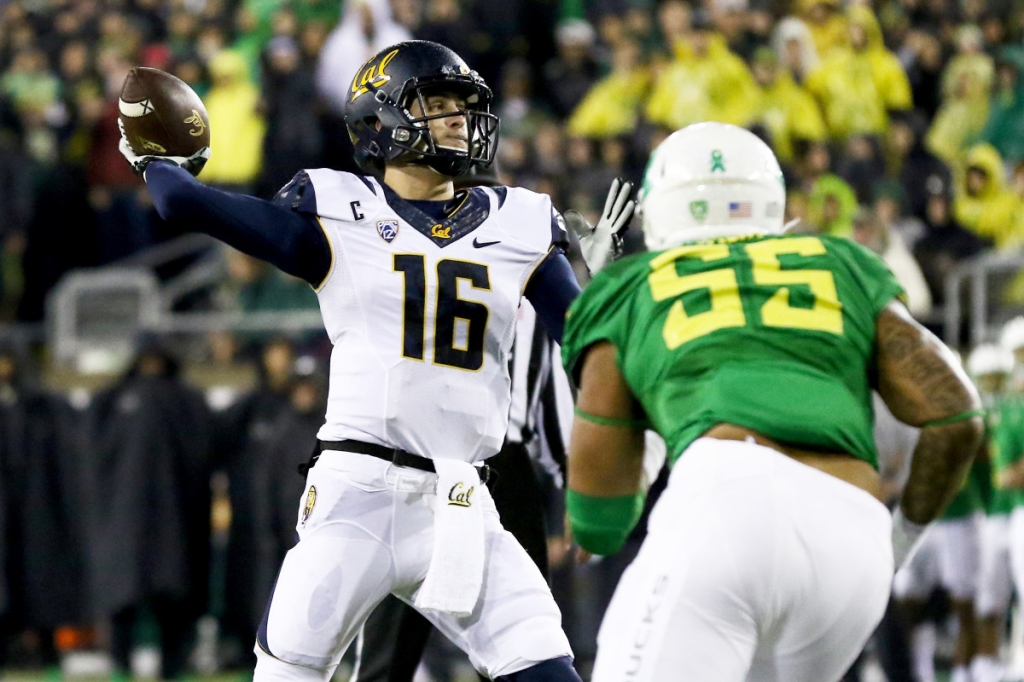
x=378, y=117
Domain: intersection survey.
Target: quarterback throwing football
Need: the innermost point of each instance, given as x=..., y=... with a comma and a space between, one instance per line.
x=418, y=286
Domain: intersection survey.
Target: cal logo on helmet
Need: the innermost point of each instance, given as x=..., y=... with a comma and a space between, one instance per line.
x=307, y=509
x=373, y=73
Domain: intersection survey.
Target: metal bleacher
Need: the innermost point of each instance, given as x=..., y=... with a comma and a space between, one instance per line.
x=95, y=316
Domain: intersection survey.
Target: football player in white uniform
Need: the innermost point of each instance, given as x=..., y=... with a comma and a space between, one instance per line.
x=418, y=287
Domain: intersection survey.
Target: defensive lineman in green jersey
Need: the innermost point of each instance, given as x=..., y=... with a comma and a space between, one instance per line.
x=752, y=354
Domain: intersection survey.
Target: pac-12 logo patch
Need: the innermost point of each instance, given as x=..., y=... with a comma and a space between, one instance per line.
x=387, y=229
x=307, y=509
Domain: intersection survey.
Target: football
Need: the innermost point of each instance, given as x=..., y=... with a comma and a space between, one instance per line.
x=161, y=115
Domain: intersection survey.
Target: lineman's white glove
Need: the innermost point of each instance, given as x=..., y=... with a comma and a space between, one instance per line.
x=655, y=452
x=193, y=164
x=906, y=537
x=603, y=242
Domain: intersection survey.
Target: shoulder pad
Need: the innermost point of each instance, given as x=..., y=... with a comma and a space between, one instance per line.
x=540, y=209
x=345, y=196
x=297, y=195
x=559, y=235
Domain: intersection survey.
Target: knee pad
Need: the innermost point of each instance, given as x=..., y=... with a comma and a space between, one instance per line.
x=552, y=670
x=271, y=669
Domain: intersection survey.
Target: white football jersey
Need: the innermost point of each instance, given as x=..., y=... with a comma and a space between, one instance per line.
x=422, y=314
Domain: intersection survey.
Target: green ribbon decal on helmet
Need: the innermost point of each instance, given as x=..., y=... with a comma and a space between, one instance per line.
x=717, y=163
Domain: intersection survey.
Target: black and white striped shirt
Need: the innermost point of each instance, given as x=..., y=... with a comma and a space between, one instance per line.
x=541, y=411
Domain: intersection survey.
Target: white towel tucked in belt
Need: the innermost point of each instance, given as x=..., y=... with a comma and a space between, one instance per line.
x=456, y=571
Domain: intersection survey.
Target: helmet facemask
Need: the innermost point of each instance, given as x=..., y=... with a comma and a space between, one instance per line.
x=481, y=127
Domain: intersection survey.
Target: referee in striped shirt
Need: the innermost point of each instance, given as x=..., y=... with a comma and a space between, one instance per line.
x=391, y=643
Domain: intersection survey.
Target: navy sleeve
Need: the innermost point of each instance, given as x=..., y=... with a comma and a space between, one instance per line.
x=282, y=235
x=551, y=289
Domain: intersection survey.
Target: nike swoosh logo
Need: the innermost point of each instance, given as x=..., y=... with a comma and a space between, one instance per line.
x=479, y=244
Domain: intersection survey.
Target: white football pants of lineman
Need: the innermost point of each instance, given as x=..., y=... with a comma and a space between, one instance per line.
x=755, y=567
x=371, y=533
x=947, y=557
x=1002, y=562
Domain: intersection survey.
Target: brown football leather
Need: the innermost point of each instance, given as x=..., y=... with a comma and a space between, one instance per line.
x=162, y=115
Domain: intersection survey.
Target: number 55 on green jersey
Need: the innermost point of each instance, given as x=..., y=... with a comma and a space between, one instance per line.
x=773, y=333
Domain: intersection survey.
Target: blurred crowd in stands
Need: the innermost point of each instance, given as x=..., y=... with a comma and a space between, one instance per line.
x=898, y=123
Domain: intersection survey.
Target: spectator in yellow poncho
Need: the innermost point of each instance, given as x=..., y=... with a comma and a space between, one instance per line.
x=966, y=88
x=705, y=82
x=826, y=22
x=984, y=203
x=786, y=110
x=236, y=126
x=857, y=85
x=610, y=107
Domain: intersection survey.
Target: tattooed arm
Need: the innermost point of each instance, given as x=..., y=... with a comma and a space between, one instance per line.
x=921, y=381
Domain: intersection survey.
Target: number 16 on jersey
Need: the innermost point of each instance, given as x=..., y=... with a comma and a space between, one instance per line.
x=452, y=314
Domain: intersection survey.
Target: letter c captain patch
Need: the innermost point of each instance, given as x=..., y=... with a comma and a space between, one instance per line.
x=307, y=509
x=387, y=229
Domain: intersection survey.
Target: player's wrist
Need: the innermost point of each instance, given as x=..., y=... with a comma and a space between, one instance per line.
x=906, y=536
x=147, y=162
x=600, y=525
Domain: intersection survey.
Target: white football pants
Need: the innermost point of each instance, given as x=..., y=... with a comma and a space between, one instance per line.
x=1002, y=562
x=370, y=532
x=755, y=567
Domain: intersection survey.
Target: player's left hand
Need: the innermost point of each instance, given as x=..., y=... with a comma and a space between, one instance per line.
x=602, y=243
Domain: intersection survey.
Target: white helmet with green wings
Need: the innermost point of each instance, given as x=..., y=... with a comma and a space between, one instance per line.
x=711, y=180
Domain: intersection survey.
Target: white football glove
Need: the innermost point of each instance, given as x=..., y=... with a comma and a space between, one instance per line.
x=655, y=452
x=906, y=537
x=603, y=242
x=193, y=164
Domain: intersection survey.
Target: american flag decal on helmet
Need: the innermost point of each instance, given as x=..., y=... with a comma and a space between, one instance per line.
x=741, y=209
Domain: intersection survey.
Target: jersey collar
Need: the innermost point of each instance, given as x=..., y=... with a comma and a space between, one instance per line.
x=468, y=211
